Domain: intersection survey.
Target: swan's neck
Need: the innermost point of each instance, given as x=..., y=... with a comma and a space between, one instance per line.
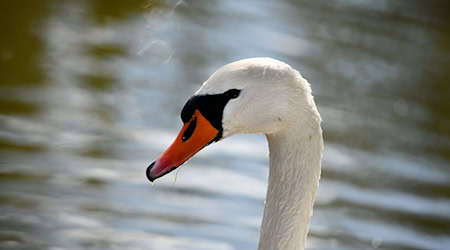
x=295, y=160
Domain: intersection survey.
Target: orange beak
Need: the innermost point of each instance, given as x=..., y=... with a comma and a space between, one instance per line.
x=195, y=134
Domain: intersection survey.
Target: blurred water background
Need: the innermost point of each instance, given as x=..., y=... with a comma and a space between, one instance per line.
x=91, y=91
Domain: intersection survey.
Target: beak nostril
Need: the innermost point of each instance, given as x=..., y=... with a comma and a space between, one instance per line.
x=148, y=172
x=190, y=130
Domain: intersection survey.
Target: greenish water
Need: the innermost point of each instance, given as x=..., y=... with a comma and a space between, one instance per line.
x=91, y=91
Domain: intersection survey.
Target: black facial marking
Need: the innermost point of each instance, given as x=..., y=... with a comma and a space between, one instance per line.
x=211, y=107
x=190, y=130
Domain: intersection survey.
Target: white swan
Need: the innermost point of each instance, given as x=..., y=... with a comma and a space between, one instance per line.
x=260, y=96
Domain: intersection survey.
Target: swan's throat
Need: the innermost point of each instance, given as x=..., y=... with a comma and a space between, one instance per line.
x=295, y=160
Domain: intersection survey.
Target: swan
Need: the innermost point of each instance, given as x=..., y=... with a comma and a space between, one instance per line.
x=260, y=96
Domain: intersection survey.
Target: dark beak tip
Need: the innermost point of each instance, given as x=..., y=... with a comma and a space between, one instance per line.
x=148, y=173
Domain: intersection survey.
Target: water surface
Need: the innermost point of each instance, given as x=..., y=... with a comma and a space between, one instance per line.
x=91, y=91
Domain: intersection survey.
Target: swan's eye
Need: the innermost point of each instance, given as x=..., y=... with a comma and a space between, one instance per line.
x=233, y=93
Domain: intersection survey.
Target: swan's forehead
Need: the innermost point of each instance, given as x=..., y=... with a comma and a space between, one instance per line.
x=244, y=74
x=220, y=82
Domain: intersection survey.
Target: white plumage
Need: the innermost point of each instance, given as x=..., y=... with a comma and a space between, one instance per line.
x=276, y=101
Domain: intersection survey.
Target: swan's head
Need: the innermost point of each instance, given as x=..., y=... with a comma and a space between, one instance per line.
x=251, y=96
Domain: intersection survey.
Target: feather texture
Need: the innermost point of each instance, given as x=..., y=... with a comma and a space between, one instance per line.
x=276, y=100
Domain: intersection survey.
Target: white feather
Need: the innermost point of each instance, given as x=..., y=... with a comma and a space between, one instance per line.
x=276, y=101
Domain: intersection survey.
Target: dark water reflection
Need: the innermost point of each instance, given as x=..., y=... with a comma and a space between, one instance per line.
x=91, y=92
